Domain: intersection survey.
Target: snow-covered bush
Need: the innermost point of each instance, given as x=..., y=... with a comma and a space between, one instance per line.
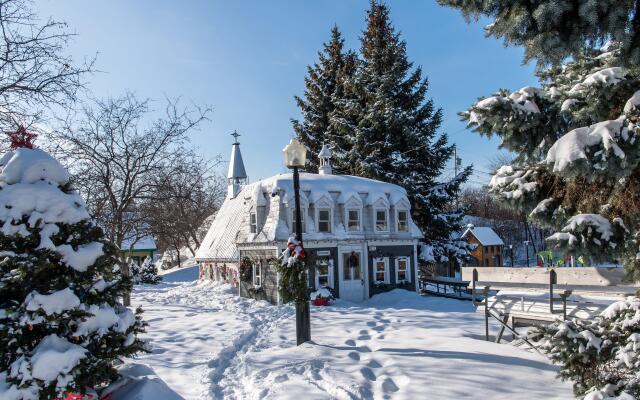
x=601, y=357
x=293, y=285
x=61, y=325
x=148, y=272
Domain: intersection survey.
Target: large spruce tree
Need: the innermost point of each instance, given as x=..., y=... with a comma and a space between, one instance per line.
x=383, y=126
x=324, y=84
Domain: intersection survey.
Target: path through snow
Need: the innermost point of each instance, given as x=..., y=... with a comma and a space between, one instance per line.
x=210, y=344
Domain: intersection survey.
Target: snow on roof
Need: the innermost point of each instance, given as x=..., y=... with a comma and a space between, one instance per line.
x=145, y=243
x=219, y=243
x=485, y=235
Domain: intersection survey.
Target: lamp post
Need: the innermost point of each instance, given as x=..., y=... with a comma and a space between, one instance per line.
x=295, y=156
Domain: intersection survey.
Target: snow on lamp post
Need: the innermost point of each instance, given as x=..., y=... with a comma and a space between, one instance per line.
x=295, y=157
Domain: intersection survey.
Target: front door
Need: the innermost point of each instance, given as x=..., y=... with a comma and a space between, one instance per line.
x=351, y=276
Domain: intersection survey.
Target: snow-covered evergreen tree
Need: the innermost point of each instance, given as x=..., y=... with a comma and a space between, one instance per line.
x=134, y=272
x=61, y=325
x=148, y=272
x=553, y=30
x=601, y=357
x=576, y=138
x=393, y=128
x=324, y=84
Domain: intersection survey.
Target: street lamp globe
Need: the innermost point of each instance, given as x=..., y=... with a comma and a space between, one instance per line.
x=295, y=154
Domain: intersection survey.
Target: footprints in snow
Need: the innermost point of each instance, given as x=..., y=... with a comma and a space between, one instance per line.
x=373, y=372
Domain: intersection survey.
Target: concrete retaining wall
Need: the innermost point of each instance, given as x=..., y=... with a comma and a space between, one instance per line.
x=587, y=276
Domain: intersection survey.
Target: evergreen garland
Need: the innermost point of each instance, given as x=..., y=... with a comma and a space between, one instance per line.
x=293, y=285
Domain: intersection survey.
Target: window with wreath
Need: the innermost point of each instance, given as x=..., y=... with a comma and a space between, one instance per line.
x=324, y=220
x=293, y=220
x=257, y=275
x=253, y=222
x=381, y=223
x=403, y=221
x=402, y=269
x=353, y=220
x=381, y=270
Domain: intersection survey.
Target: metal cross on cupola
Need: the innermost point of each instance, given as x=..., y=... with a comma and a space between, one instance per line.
x=21, y=138
x=235, y=135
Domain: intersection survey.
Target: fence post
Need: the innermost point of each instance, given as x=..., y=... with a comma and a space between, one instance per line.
x=553, y=279
x=564, y=297
x=474, y=279
x=486, y=312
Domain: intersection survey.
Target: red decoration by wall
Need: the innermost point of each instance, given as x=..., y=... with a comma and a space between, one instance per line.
x=21, y=138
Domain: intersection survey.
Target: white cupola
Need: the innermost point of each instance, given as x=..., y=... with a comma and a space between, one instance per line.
x=236, y=176
x=325, y=160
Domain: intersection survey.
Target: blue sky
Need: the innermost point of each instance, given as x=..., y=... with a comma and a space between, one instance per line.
x=247, y=59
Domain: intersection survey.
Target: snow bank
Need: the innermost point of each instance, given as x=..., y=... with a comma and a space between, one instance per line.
x=139, y=382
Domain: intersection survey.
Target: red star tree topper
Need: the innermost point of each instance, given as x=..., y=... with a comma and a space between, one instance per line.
x=21, y=138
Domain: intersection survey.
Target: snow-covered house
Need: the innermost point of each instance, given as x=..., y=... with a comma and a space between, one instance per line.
x=489, y=246
x=358, y=233
x=140, y=249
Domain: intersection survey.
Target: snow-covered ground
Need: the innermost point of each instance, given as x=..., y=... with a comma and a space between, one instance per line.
x=211, y=344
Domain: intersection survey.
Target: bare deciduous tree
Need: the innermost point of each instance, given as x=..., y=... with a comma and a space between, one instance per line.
x=115, y=158
x=185, y=194
x=35, y=72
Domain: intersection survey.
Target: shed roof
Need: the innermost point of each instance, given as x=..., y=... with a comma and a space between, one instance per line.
x=485, y=235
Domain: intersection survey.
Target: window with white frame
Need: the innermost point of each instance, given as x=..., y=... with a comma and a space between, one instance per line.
x=381, y=220
x=253, y=222
x=353, y=220
x=403, y=221
x=302, y=221
x=381, y=270
x=324, y=273
x=402, y=269
x=324, y=220
x=257, y=275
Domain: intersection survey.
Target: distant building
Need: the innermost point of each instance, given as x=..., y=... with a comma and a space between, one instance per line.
x=358, y=233
x=489, y=246
x=141, y=249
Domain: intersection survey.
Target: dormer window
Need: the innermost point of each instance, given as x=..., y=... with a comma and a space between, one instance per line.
x=381, y=220
x=353, y=220
x=324, y=220
x=302, y=220
x=253, y=222
x=403, y=221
